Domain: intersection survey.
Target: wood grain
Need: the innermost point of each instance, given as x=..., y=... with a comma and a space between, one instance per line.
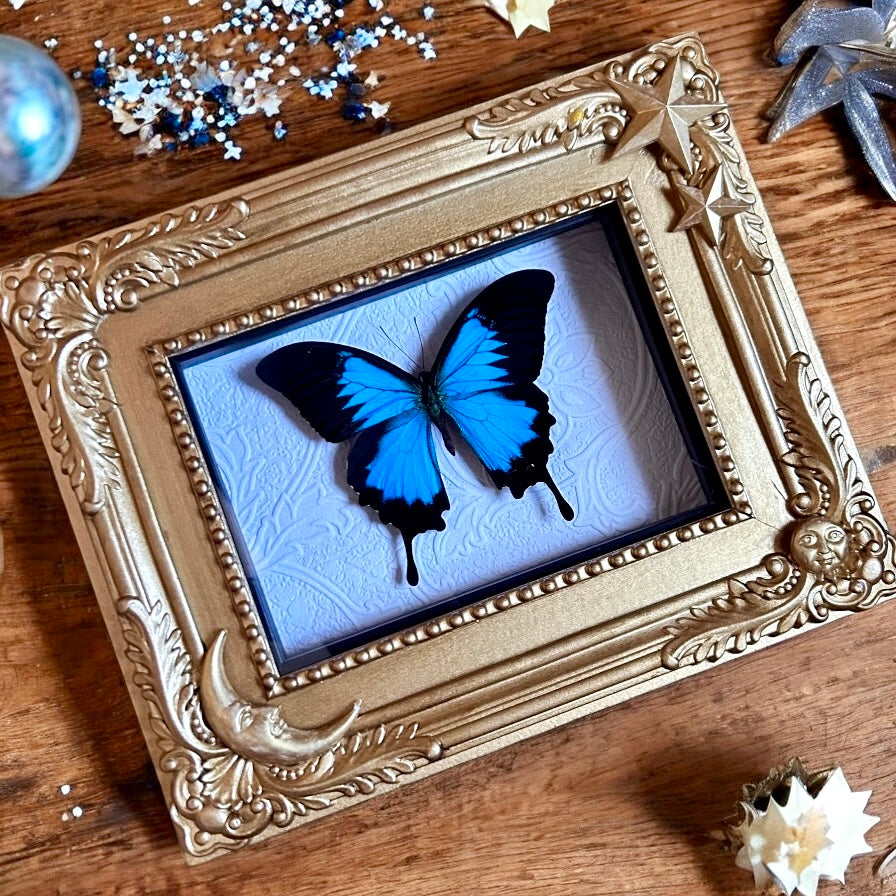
x=620, y=803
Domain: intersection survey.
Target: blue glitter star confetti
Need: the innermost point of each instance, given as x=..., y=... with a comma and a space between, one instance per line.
x=191, y=87
x=847, y=57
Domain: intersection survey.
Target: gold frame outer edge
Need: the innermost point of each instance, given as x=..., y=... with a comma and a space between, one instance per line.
x=232, y=770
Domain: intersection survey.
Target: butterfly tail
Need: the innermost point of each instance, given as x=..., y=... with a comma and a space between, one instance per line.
x=393, y=468
x=413, y=576
x=566, y=510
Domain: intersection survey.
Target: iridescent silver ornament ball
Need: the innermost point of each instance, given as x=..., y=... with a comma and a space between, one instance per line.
x=39, y=119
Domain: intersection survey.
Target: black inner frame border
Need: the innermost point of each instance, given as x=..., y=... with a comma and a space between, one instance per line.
x=610, y=217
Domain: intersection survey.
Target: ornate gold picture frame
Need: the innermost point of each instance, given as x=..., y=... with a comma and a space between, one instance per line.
x=248, y=741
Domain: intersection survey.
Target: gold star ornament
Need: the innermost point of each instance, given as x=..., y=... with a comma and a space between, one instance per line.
x=662, y=112
x=522, y=13
x=708, y=206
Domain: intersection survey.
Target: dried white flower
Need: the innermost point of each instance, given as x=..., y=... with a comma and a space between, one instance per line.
x=795, y=845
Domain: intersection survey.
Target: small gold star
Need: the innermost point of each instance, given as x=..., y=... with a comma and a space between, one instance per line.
x=522, y=13
x=707, y=207
x=663, y=113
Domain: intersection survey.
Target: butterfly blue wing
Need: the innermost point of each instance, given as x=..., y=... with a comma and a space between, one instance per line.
x=344, y=392
x=339, y=390
x=392, y=466
x=485, y=377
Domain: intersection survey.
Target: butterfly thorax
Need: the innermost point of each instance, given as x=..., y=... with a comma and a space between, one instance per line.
x=433, y=403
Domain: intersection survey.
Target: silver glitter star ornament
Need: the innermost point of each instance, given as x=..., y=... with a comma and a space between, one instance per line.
x=848, y=59
x=817, y=24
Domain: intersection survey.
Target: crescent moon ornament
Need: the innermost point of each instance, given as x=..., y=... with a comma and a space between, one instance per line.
x=257, y=731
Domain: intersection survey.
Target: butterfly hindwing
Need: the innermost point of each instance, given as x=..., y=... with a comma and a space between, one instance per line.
x=393, y=468
x=343, y=392
x=485, y=374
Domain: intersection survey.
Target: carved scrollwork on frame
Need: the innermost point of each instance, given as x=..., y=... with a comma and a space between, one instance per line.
x=231, y=767
x=53, y=306
x=620, y=105
x=220, y=797
x=587, y=105
x=837, y=555
x=581, y=107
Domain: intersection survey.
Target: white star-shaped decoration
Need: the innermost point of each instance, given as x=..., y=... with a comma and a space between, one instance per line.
x=131, y=86
x=147, y=112
x=522, y=13
x=269, y=101
x=663, y=113
x=708, y=206
x=806, y=840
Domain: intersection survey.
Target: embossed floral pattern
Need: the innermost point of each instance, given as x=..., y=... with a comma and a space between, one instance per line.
x=326, y=568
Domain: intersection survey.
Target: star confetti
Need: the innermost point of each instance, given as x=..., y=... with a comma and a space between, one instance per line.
x=662, y=112
x=522, y=13
x=191, y=87
x=790, y=847
x=846, y=59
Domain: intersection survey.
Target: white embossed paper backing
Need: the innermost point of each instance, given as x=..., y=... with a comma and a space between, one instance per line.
x=326, y=568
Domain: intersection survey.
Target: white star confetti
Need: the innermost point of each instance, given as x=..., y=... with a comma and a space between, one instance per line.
x=191, y=86
x=808, y=839
x=131, y=87
x=522, y=13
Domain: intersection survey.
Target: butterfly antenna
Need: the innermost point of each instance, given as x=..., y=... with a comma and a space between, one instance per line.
x=420, y=340
x=413, y=362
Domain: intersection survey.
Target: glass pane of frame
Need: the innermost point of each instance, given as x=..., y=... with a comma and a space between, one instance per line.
x=628, y=454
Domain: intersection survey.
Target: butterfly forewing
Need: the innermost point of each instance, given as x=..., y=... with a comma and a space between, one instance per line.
x=486, y=373
x=339, y=390
x=344, y=392
x=506, y=318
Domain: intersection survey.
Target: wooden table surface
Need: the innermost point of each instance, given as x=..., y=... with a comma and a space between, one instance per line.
x=623, y=802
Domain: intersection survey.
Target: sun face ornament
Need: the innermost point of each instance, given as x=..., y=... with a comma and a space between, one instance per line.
x=821, y=547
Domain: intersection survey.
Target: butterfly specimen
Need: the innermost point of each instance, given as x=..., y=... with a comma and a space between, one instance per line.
x=481, y=386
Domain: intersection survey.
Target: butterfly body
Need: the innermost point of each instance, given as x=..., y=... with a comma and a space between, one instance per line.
x=432, y=401
x=481, y=388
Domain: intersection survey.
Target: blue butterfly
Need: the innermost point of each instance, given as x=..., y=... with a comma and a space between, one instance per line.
x=481, y=386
